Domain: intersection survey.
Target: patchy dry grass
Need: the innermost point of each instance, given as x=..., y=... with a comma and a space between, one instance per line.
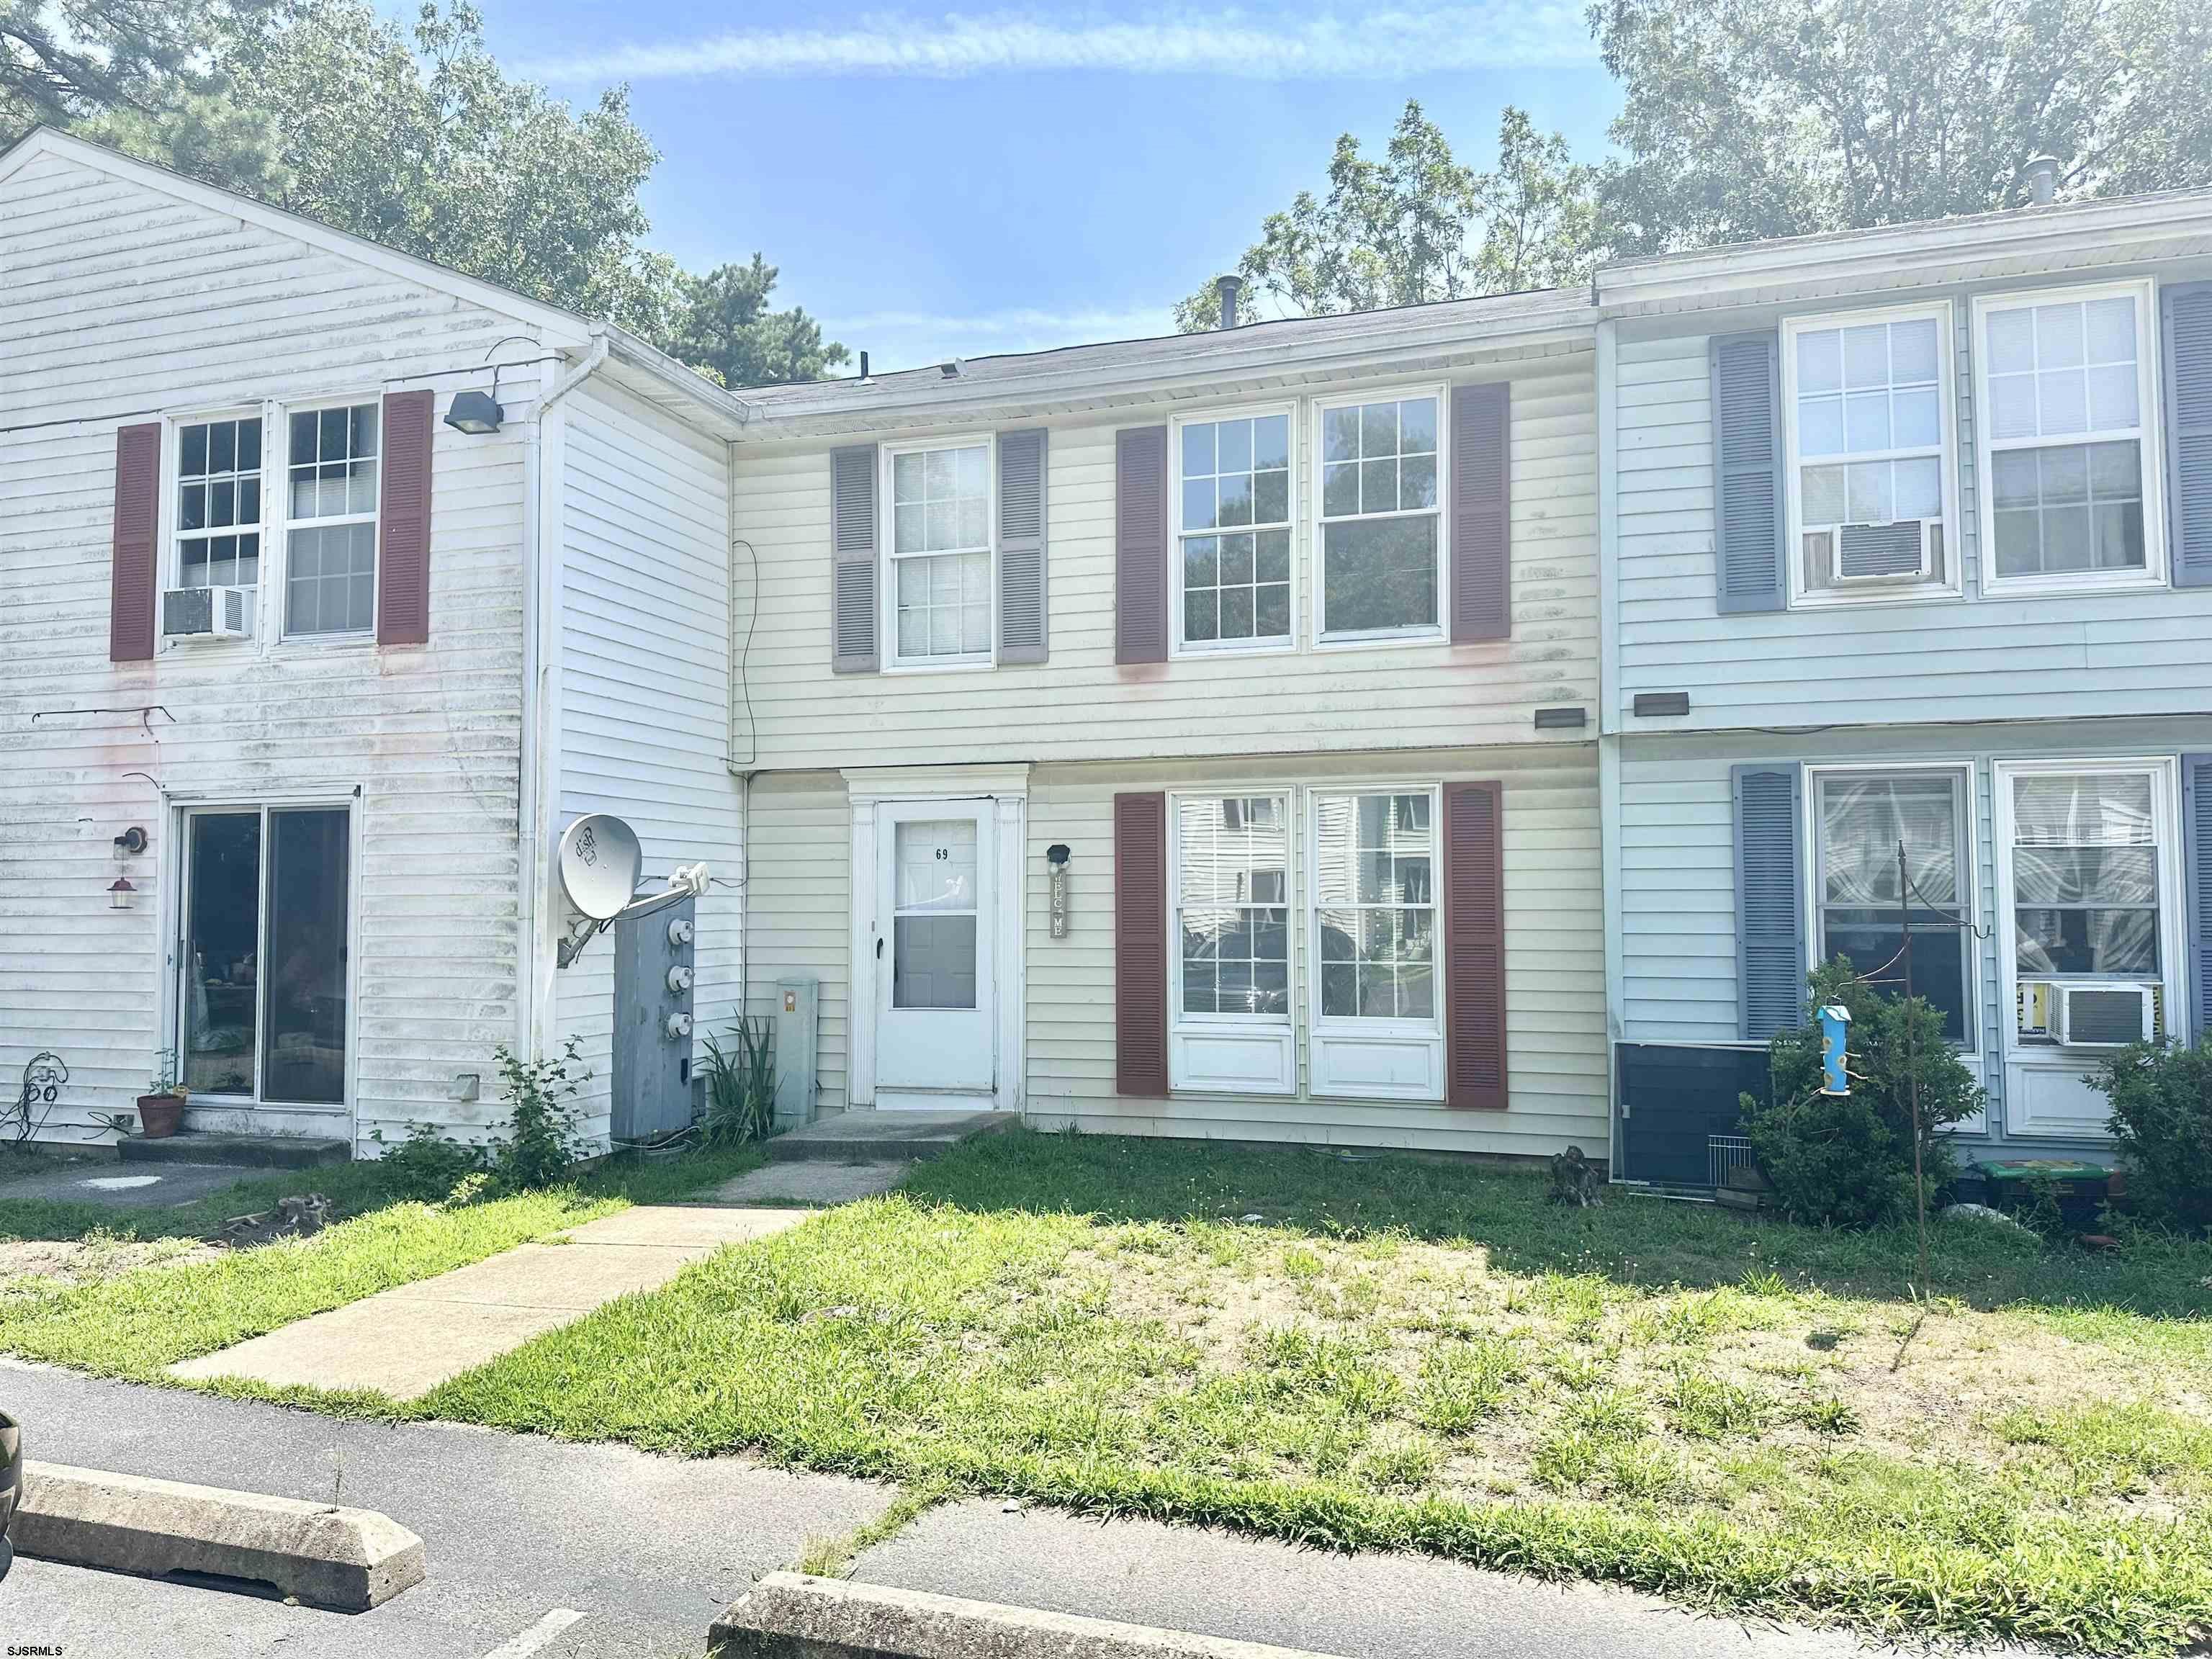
x=1402, y=1354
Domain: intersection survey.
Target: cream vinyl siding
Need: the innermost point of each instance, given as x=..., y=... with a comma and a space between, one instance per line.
x=1554, y=948
x=1892, y=662
x=644, y=679
x=799, y=907
x=1079, y=706
x=119, y=303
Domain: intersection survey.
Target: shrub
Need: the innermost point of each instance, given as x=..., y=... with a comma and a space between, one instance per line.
x=740, y=1086
x=1847, y=1161
x=542, y=1142
x=2161, y=1122
x=427, y=1166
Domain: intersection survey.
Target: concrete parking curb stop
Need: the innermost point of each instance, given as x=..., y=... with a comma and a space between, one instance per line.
x=321, y=1554
x=790, y=1615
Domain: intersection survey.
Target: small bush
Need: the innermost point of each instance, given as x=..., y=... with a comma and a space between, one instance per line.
x=740, y=1086
x=542, y=1142
x=427, y=1166
x=1847, y=1161
x=2161, y=1122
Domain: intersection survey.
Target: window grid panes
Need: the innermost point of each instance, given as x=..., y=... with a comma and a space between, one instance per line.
x=2085, y=876
x=1232, y=899
x=1869, y=431
x=941, y=552
x=1235, y=542
x=1375, y=906
x=219, y=503
x=1863, y=821
x=331, y=483
x=2065, y=434
x=1381, y=525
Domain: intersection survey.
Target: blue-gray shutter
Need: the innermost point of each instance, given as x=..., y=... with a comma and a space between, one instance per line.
x=1481, y=516
x=2186, y=329
x=2197, y=878
x=853, y=540
x=1747, y=488
x=1141, y=544
x=1021, y=545
x=1770, y=929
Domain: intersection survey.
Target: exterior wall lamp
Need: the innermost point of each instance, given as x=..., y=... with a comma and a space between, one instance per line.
x=122, y=895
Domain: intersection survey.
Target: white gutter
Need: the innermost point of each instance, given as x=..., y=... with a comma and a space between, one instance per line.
x=544, y=485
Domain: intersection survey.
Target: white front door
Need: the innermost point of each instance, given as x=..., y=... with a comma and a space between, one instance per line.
x=936, y=988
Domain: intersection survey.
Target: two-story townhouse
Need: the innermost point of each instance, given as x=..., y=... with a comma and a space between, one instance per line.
x=1908, y=544
x=332, y=585
x=1190, y=736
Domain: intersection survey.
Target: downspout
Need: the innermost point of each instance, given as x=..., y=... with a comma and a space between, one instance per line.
x=741, y=770
x=542, y=498
x=1608, y=719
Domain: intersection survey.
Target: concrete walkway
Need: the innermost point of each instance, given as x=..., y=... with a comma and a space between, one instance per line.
x=404, y=1341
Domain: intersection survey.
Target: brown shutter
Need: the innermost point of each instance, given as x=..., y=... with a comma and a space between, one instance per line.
x=403, y=541
x=132, y=576
x=1474, y=947
x=1481, y=606
x=1140, y=944
x=1141, y=544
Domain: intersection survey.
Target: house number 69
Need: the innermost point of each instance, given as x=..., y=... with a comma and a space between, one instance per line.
x=943, y=853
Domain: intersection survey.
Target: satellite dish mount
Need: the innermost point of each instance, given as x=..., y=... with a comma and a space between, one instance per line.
x=600, y=863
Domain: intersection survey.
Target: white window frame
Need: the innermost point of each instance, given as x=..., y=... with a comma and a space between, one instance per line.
x=1178, y=646
x=1317, y=408
x=1951, y=587
x=1962, y=772
x=171, y=565
x=1341, y=1038
x=887, y=558
x=1233, y=1054
x=2149, y=364
x=282, y=523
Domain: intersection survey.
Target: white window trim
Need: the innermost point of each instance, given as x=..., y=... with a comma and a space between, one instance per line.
x=1402, y=1033
x=2164, y=771
x=1178, y=646
x=2150, y=362
x=887, y=557
x=1951, y=587
x=1316, y=407
x=1278, y=1032
x=281, y=522
x=1962, y=771
x=169, y=566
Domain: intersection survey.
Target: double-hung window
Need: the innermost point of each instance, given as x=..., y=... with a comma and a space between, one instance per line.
x=1863, y=898
x=939, y=592
x=1233, y=531
x=2068, y=411
x=332, y=467
x=218, y=503
x=1868, y=496
x=1230, y=890
x=1382, y=549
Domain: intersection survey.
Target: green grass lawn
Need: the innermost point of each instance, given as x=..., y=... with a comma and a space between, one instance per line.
x=136, y=1324
x=1403, y=1354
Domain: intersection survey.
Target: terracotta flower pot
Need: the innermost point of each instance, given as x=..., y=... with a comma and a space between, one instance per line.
x=160, y=1114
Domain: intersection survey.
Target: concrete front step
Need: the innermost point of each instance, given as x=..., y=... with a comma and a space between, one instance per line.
x=244, y=1151
x=882, y=1137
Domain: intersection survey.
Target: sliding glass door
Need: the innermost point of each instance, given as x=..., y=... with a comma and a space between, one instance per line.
x=265, y=1005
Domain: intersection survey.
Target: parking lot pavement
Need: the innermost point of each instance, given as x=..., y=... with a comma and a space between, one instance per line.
x=516, y=1529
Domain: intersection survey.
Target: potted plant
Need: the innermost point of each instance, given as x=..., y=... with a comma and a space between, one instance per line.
x=161, y=1107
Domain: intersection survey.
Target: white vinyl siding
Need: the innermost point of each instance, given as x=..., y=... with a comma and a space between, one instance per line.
x=797, y=910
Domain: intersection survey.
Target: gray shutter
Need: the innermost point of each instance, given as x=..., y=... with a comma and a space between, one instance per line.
x=1770, y=934
x=853, y=575
x=1141, y=544
x=1747, y=515
x=2186, y=329
x=1480, y=537
x=2197, y=879
x=1021, y=545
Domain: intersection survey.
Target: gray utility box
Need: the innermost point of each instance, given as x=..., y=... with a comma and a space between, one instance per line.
x=796, y=1002
x=654, y=958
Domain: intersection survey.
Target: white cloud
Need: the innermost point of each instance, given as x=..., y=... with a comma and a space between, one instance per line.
x=1383, y=44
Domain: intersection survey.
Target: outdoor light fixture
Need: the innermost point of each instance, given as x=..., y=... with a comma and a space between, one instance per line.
x=121, y=894
x=477, y=412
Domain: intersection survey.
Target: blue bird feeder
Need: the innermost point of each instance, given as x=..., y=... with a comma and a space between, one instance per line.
x=1835, y=1029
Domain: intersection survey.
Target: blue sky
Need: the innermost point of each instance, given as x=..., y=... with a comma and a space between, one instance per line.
x=935, y=181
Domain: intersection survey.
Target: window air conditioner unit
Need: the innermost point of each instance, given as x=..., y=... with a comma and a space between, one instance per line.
x=208, y=613
x=1905, y=550
x=2105, y=1016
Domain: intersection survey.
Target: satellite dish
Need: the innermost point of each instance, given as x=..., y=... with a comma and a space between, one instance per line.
x=599, y=864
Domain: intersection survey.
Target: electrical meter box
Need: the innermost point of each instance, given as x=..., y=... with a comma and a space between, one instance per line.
x=796, y=1002
x=655, y=957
